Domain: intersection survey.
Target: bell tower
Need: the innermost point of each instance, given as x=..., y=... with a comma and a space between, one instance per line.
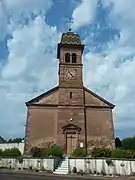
x=71, y=91
x=69, y=53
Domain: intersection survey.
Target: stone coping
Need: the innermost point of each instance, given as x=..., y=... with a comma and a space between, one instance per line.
x=98, y=158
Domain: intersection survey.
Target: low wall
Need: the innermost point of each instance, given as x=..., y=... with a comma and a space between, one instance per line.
x=100, y=166
x=47, y=164
x=115, y=167
x=19, y=146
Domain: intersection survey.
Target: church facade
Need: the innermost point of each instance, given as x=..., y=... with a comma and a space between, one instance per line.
x=69, y=115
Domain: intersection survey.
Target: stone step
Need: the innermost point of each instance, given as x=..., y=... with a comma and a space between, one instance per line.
x=60, y=172
x=65, y=165
x=62, y=168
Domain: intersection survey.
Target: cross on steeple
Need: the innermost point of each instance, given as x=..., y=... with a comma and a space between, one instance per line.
x=70, y=21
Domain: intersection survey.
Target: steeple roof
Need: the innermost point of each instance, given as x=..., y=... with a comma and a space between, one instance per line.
x=70, y=38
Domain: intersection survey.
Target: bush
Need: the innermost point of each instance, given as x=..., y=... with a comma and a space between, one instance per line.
x=35, y=151
x=55, y=151
x=118, y=143
x=74, y=170
x=13, y=152
x=128, y=143
x=39, y=152
x=98, y=152
x=79, y=152
x=0, y=152
x=120, y=153
x=44, y=152
x=80, y=172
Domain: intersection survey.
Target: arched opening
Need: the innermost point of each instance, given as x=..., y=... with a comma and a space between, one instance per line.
x=67, y=58
x=73, y=58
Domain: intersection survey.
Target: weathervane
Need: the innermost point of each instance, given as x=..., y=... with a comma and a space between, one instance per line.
x=70, y=21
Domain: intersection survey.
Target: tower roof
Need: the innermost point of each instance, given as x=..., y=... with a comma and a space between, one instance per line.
x=70, y=38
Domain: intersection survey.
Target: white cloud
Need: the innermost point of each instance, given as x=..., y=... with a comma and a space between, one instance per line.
x=25, y=7
x=122, y=8
x=3, y=22
x=111, y=73
x=30, y=62
x=17, y=11
x=33, y=37
x=84, y=13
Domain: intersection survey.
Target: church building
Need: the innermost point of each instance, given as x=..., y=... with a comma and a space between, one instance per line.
x=69, y=115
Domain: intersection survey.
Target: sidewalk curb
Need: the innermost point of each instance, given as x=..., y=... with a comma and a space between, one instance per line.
x=67, y=176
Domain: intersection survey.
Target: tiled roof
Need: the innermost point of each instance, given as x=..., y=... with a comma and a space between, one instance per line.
x=70, y=38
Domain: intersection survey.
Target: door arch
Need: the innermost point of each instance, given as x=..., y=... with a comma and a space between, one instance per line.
x=71, y=137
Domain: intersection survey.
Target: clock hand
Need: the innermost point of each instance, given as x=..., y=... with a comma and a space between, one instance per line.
x=70, y=73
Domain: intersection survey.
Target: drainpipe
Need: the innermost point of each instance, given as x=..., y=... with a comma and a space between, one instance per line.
x=85, y=123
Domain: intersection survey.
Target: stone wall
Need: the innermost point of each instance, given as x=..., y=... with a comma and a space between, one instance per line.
x=28, y=163
x=103, y=166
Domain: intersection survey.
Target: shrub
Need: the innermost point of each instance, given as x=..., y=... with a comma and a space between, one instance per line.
x=13, y=152
x=35, y=151
x=120, y=153
x=79, y=152
x=74, y=170
x=118, y=143
x=0, y=152
x=44, y=152
x=103, y=172
x=39, y=152
x=98, y=152
x=128, y=143
x=80, y=172
x=55, y=151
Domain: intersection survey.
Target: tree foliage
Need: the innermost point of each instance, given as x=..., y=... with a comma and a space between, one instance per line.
x=13, y=152
x=128, y=143
x=120, y=153
x=45, y=152
x=55, y=151
x=118, y=143
x=16, y=140
x=99, y=152
x=79, y=152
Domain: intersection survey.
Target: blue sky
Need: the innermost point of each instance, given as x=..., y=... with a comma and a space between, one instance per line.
x=29, y=33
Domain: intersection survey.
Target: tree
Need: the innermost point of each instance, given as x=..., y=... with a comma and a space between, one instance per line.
x=79, y=152
x=16, y=140
x=128, y=143
x=2, y=140
x=10, y=141
x=118, y=143
x=13, y=152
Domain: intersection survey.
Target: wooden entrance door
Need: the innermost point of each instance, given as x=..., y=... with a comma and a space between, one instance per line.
x=71, y=143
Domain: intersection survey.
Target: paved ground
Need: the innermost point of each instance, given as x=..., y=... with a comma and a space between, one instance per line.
x=37, y=176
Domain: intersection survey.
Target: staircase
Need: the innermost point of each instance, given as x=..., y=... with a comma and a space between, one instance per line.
x=63, y=167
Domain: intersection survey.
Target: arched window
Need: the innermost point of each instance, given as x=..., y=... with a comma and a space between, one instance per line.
x=67, y=58
x=73, y=58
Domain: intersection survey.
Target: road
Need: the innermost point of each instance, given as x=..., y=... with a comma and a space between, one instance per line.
x=36, y=176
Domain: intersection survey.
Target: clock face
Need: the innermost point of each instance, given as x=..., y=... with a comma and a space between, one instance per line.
x=70, y=74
